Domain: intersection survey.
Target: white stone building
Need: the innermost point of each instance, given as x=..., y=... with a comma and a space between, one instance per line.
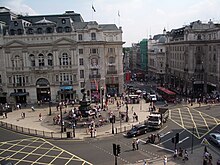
x=52, y=57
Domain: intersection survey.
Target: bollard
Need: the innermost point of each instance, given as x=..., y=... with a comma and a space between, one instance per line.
x=116, y=130
x=29, y=131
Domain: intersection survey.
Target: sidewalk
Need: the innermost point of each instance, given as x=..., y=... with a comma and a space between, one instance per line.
x=32, y=121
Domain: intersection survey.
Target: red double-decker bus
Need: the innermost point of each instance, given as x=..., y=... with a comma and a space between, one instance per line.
x=166, y=94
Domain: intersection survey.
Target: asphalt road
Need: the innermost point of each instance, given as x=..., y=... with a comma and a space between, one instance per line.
x=23, y=149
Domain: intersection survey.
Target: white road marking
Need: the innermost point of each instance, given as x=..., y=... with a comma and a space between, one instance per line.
x=183, y=139
x=165, y=134
x=162, y=148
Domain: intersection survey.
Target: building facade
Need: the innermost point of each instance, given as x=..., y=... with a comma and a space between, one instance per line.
x=193, y=58
x=157, y=58
x=52, y=57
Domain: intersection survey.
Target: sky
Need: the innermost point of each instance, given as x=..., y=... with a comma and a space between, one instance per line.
x=138, y=18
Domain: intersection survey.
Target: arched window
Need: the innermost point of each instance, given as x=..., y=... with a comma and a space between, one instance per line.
x=32, y=59
x=19, y=31
x=65, y=59
x=49, y=30
x=39, y=30
x=67, y=29
x=30, y=31
x=41, y=59
x=59, y=30
x=50, y=59
x=93, y=36
x=12, y=32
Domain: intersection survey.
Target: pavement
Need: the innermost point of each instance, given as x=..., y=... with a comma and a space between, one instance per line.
x=32, y=121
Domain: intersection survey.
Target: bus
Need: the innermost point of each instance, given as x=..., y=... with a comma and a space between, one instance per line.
x=166, y=94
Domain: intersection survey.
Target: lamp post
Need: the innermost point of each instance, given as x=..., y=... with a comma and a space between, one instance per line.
x=102, y=93
x=61, y=118
x=49, y=103
x=74, y=130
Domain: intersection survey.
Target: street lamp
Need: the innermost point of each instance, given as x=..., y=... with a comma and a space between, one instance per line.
x=49, y=103
x=102, y=93
x=61, y=118
x=74, y=130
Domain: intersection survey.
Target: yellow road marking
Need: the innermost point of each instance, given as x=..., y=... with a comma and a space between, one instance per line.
x=193, y=122
x=44, y=155
x=28, y=153
x=185, y=129
x=208, y=116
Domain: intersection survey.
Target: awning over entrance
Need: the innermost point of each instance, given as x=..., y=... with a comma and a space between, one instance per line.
x=66, y=87
x=19, y=94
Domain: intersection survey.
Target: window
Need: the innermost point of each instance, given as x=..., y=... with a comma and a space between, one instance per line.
x=59, y=30
x=81, y=61
x=82, y=84
x=32, y=60
x=30, y=31
x=67, y=29
x=17, y=62
x=80, y=51
x=94, y=62
x=19, y=32
x=111, y=50
x=50, y=59
x=12, y=32
x=39, y=31
x=63, y=21
x=80, y=37
x=41, y=59
x=27, y=79
x=15, y=23
x=111, y=60
x=57, y=78
x=9, y=80
x=81, y=73
x=111, y=68
x=93, y=36
x=49, y=30
x=65, y=60
x=94, y=51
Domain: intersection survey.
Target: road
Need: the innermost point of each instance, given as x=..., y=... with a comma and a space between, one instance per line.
x=23, y=149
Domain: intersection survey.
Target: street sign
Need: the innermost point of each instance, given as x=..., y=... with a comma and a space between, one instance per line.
x=205, y=142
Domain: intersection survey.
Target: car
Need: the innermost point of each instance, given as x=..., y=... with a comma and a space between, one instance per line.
x=215, y=138
x=137, y=130
x=6, y=162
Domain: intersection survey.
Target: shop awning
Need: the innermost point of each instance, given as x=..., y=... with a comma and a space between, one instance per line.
x=66, y=87
x=19, y=94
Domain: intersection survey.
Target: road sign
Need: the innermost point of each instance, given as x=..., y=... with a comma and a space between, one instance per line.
x=205, y=142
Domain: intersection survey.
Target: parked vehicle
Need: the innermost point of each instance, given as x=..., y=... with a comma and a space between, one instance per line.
x=156, y=119
x=215, y=138
x=137, y=130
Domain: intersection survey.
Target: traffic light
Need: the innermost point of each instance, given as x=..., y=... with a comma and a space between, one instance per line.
x=118, y=149
x=177, y=137
x=173, y=140
x=114, y=150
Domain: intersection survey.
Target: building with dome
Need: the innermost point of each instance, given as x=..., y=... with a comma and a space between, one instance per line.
x=52, y=57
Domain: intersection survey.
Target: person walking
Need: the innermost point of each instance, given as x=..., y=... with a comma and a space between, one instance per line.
x=133, y=145
x=165, y=160
x=137, y=143
x=40, y=117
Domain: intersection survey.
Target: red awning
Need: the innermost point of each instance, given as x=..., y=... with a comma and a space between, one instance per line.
x=167, y=91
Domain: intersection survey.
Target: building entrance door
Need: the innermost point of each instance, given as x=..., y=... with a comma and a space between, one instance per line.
x=43, y=90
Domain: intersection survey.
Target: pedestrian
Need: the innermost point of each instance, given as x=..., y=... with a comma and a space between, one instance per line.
x=3, y=115
x=94, y=133
x=158, y=137
x=185, y=157
x=133, y=145
x=175, y=154
x=40, y=117
x=137, y=143
x=165, y=160
x=32, y=108
x=24, y=114
x=6, y=115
